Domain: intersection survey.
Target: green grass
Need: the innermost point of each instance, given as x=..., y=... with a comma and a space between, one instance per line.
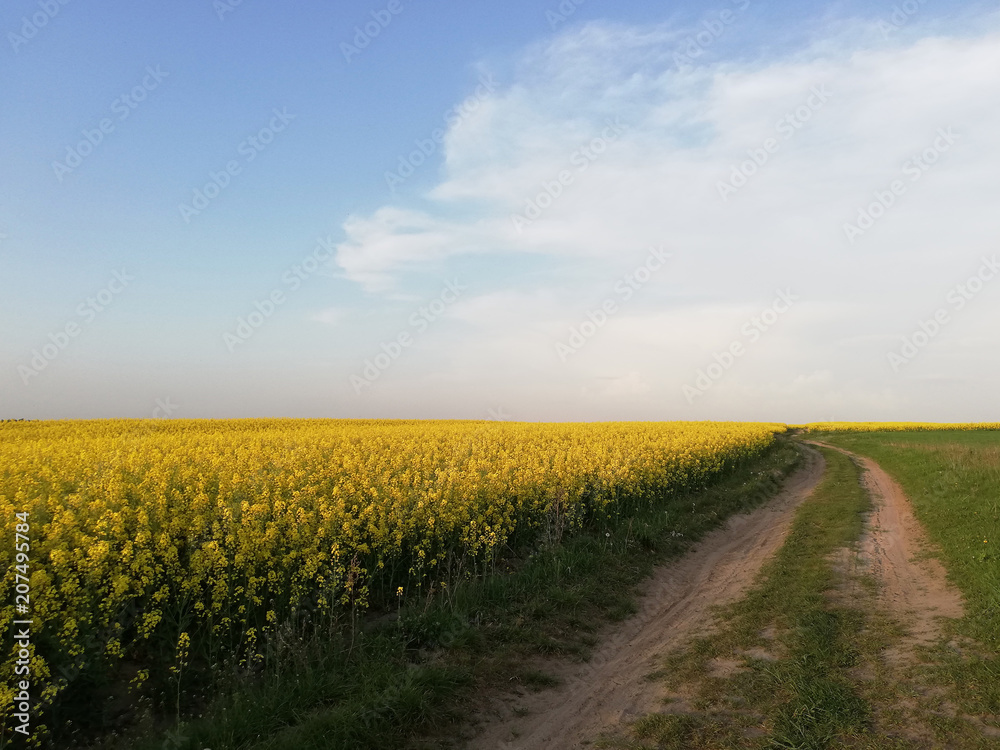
x=387, y=686
x=953, y=481
x=795, y=645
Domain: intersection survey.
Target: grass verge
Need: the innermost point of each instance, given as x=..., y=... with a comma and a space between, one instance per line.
x=415, y=676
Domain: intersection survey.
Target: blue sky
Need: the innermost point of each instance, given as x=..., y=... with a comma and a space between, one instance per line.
x=626, y=211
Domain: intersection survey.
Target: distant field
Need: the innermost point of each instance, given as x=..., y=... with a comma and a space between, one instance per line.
x=839, y=427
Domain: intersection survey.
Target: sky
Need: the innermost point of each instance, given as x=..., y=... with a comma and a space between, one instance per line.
x=529, y=211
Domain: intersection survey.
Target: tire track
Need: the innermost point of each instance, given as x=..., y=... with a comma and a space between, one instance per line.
x=913, y=587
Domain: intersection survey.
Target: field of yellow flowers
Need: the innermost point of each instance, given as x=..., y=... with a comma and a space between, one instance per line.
x=148, y=535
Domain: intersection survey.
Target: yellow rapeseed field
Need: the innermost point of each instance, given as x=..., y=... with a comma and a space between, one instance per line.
x=178, y=532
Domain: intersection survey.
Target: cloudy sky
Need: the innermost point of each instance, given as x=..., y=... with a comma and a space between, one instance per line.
x=519, y=210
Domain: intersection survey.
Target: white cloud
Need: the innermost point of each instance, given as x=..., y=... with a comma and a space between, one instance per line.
x=331, y=316
x=658, y=183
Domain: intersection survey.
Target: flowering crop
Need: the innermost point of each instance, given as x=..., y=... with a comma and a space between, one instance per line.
x=184, y=532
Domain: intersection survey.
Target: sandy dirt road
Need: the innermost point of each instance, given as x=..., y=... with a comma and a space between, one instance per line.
x=612, y=687
x=913, y=587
